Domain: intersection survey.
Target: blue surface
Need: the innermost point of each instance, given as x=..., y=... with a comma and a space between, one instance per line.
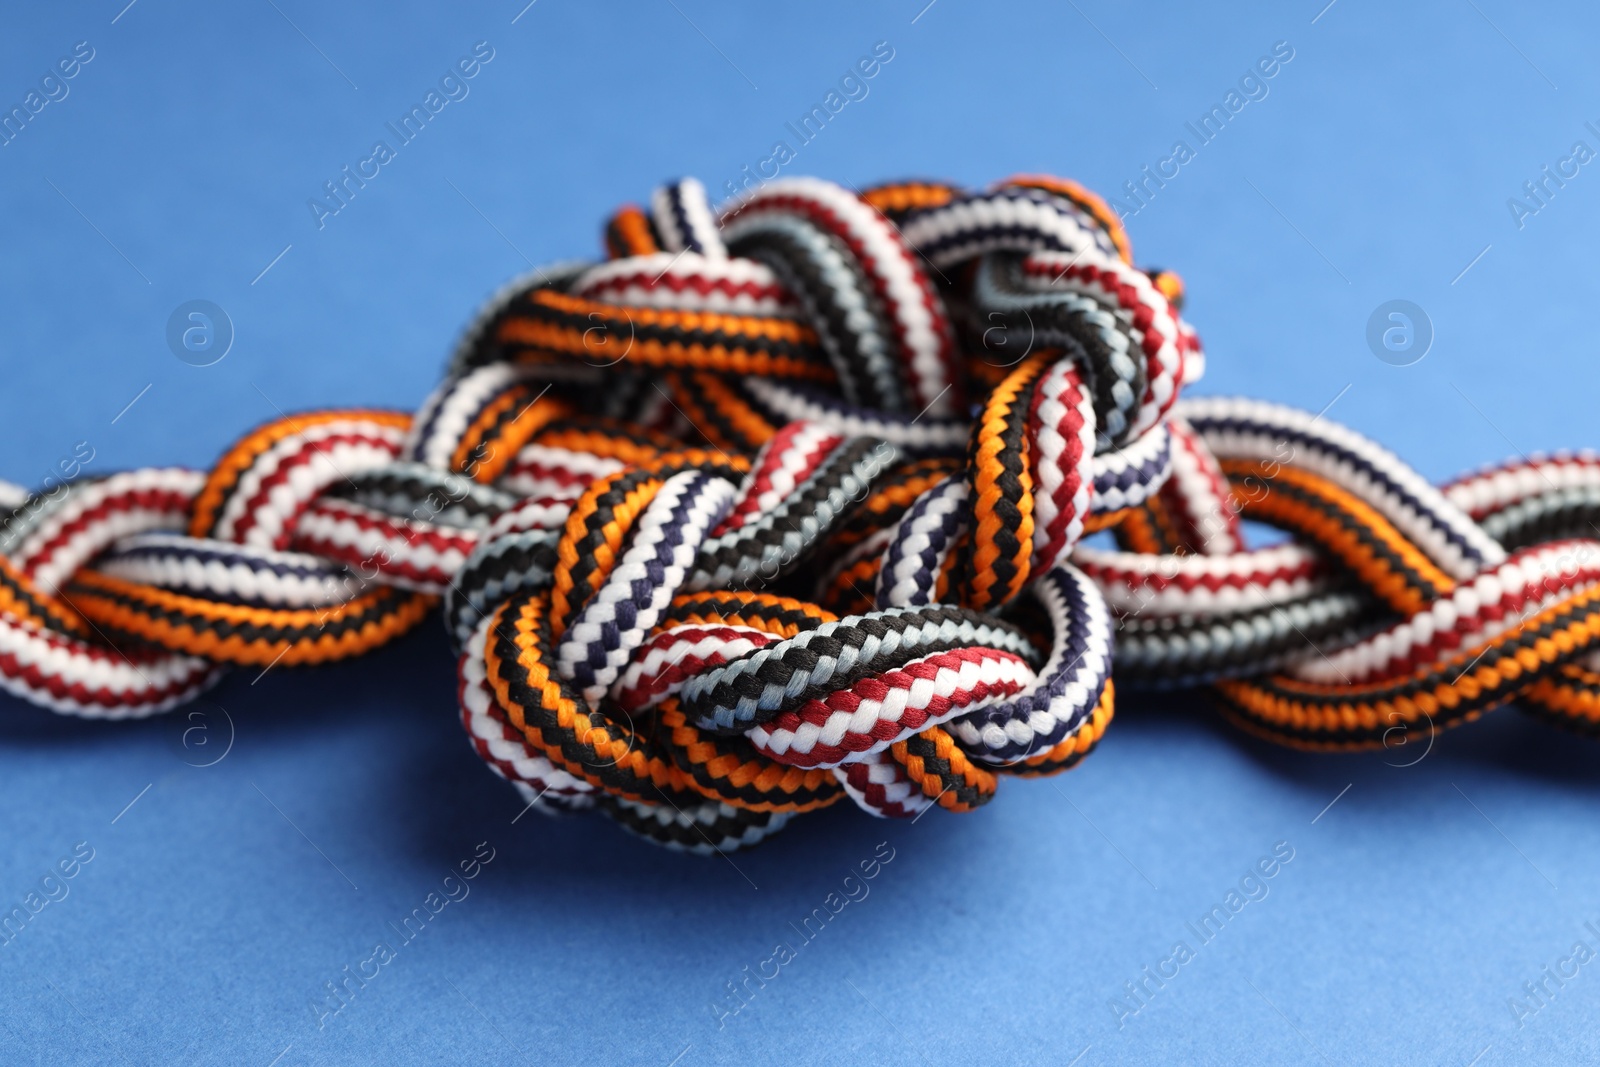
x=1377, y=167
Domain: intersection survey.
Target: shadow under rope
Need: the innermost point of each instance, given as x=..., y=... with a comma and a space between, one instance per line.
x=424, y=792
x=1505, y=740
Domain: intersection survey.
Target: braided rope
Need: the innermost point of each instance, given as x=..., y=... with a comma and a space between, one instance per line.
x=758, y=515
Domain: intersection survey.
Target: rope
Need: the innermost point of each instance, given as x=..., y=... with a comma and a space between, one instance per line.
x=785, y=504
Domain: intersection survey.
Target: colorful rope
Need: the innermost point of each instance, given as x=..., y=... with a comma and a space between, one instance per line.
x=786, y=503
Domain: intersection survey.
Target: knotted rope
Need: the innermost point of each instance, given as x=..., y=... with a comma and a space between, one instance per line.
x=787, y=504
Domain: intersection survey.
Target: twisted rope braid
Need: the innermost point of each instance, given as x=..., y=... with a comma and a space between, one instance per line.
x=785, y=503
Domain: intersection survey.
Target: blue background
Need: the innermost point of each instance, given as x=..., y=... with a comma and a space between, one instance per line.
x=1378, y=167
